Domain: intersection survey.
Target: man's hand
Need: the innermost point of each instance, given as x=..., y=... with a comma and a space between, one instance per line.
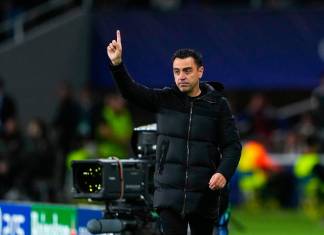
x=114, y=50
x=217, y=181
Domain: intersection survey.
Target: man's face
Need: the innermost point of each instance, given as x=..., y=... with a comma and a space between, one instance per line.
x=187, y=74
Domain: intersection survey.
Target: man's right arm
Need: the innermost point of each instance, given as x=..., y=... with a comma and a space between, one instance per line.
x=146, y=97
x=143, y=96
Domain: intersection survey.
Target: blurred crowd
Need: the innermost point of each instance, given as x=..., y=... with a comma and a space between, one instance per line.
x=262, y=179
x=35, y=160
x=260, y=120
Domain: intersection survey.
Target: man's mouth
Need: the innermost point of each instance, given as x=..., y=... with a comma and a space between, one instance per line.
x=183, y=84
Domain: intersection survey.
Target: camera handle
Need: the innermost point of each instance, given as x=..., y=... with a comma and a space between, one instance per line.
x=110, y=223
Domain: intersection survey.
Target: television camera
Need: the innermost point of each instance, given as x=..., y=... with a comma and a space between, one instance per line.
x=126, y=187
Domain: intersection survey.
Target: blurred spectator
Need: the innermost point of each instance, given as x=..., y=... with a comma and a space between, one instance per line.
x=318, y=106
x=11, y=143
x=4, y=171
x=39, y=161
x=286, y=141
x=292, y=143
x=310, y=187
x=261, y=179
x=66, y=118
x=292, y=139
x=65, y=123
x=254, y=170
x=7, y=107
x=305, y=127
x=257, y=120
x=87, y=114
x=115, y=127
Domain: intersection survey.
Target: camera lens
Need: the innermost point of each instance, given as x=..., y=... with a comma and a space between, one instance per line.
x=88, y=177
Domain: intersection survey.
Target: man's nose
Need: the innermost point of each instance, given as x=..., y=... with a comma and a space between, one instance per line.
x=182, y=76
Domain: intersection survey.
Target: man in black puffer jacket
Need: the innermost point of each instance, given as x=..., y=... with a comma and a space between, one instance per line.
x=198, y=145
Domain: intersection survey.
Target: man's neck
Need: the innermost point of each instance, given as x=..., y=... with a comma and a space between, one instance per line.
x=195, y=93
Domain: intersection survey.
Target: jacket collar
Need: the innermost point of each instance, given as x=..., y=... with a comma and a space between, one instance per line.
x=208, y=88
x=213, y=90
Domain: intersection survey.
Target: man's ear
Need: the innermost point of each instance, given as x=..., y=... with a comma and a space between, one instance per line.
x=201, y=71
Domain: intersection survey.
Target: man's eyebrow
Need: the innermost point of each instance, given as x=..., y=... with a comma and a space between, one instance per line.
x=185, y=68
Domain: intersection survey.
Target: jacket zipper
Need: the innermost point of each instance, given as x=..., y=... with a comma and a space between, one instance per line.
x=187, y=165
x=220, y=190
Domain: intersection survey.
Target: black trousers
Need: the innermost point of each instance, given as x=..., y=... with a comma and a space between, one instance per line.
x=174, y=224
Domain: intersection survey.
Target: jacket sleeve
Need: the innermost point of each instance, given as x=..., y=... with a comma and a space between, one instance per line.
x=230, y=145
x=134, y=92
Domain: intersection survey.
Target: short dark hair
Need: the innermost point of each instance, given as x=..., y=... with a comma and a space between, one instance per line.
x=187, y=52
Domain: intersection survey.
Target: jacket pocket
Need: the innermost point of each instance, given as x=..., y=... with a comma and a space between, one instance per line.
x=164, y=151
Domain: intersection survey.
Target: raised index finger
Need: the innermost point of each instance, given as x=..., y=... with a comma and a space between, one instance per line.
x=118, y=37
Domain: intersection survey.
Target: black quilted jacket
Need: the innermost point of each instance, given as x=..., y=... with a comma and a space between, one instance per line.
x=197, y=137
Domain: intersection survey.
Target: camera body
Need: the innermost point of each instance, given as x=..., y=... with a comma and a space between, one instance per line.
x=130, y=180
x=111, y=179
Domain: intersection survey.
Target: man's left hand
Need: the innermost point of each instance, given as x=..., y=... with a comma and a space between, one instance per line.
x=217, y=181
